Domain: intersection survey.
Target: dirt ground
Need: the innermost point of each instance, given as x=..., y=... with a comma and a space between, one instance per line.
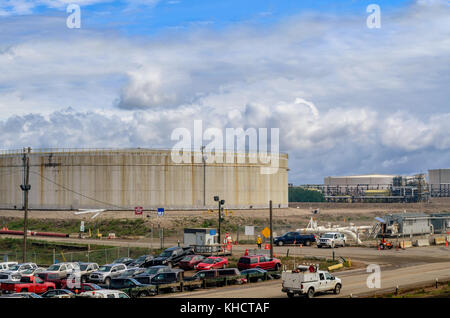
x=297, y=215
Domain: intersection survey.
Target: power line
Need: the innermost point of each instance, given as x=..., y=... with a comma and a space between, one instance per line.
x=78, y=193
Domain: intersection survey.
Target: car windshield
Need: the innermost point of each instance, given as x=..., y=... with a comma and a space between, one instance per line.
x=96, y=287
x=53, y=267
x=209, y=261
x=166, y=254
x=104, y=268
x=151, y=270
x=141, y=258
x=328, y=236
x=188, y=258
x=83, y=267
x=14, y=268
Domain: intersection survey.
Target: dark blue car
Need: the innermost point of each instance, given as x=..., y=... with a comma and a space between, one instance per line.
x=294, y=238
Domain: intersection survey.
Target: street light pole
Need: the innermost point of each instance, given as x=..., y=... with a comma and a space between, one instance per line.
x=25, y=187
x=204, y=176
x=220, y=202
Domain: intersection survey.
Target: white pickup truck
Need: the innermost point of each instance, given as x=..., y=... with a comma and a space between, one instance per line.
x=331, y=239
x=307, y=280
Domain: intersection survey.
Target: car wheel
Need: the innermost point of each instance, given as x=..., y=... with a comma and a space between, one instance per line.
x=319, y=246
x=277, y=267
x=290, y=295
x=143, y=294
x=108, y=282
x=343, y=244
x=280, y=243
x=337, y=289
x=310, y=293
x=307, y=243
x=83, y=279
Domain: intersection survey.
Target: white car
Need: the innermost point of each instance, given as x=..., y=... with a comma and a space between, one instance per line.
x=104, y=293
x=331, y=239
x=6, y=265
x=14, y=273
x=308, y=281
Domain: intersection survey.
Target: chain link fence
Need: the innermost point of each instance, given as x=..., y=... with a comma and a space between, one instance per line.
x=99, y=256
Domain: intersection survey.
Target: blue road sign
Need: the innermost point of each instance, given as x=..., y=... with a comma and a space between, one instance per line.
x=160, y=211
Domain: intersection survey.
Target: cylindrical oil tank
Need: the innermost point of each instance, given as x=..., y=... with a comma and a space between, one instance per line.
x=128, y=178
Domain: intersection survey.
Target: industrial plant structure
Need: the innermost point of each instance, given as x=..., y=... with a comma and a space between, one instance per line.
x=439, y=182
x=128, y=178
x=375, y=188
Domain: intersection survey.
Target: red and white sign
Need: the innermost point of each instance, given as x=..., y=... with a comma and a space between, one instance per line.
x=138, y=210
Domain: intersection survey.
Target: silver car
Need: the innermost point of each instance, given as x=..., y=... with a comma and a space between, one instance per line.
x=106, y=272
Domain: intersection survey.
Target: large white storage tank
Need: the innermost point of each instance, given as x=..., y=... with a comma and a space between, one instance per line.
x=124, y=179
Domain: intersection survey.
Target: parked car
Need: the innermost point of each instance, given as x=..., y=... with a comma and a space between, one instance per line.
x=332, y=239
x=6, y=265
x=132, y=272
x=189, y=261
x=170, y=257
x=27, y=284
x=83, y=287
x=58, y=293
x=212, y=262
x=58, y=271
x=106, y=272
x=21, y=295
x=104, y=293
x=86, y=269
x=294, y=238
x=259, y=261
x=148, y=274
x=124, y=260
x=132, y=287
x=7, y=277
x=217, y=273
x=258, y=275
x=141, y=260
x=19, y=268
x=33, y=271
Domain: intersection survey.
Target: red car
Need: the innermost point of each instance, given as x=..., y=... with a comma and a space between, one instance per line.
x=29, y=284
x=83, y=288
x=212, y=262
x=258, y=261
x=189, y=261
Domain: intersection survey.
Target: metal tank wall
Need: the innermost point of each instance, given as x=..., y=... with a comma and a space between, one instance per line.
x=123, y=179
x=438, y=176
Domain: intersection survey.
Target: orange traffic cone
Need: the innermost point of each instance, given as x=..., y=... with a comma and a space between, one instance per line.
x=246, y=252
x=267, y=247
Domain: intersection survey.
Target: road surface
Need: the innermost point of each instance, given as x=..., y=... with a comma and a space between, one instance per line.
x=354, y=283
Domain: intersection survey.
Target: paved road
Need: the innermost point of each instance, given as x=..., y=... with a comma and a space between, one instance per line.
x=354, y=282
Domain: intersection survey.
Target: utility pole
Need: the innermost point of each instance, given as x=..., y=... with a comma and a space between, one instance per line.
x=271, y=232
x=204, y=176
x=25, y=187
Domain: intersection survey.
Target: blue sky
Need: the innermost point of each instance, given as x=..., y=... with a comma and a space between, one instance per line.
x=347, y=99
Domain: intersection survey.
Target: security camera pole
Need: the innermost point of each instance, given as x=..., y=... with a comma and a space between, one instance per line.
x=221, y=202
x=25, y=187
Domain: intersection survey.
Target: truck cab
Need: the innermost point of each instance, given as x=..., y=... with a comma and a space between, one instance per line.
x=332, y=239
x=308, y=280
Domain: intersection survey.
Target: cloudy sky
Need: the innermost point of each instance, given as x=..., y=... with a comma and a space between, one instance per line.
x=347, y=99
